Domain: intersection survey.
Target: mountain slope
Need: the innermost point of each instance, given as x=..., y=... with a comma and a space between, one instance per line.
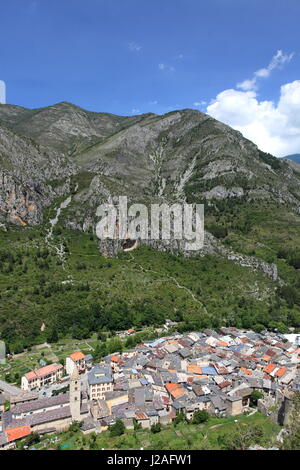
x=177, y=155
x=60, y=162
x=63, y=126
x=25, y=170
x=294, y=157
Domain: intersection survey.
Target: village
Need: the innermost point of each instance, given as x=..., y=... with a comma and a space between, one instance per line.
x=215, y=371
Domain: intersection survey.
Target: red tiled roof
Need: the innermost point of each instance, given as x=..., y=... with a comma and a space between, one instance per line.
x=224, y=384
x=175, y=390
x=220, y=369
x=141, y=416
x=178, y=392
x=34, y=374
x=115, y=358
x=194, y=369
x=271, y=353
x=246, y=371
x=266, y=358
x=18, y=432
x=170, y=387
x=280, y=372
x=269, y=368
x=76, y=356
x=222, y=343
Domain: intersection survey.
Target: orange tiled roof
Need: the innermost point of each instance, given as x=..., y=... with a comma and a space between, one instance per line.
x=141, y=416
x=77, y=356
x=224, y=384
x=177, y=393
x=194, y=369
x=34, y=374
x=171, y=387
x=17, y=432
x=222, y=343
x=266, y=358
x=246, y=371
x=252, y=358
x=280, y=372
x=115, y=358
x=269, y=368
x=175, y=390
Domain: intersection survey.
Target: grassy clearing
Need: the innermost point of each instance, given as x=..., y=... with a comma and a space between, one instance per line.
x=209, y=435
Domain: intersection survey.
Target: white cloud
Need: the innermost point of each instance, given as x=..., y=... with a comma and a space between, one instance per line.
x=278, y=60
x=135, y=111
x=273, y=127
x=2, y=92
x=248, y=84
x=199, y=103
x=153, y=102
x=166, y=67
x=134, y=47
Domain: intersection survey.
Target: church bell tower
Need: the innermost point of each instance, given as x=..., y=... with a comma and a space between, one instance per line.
x=75, y=395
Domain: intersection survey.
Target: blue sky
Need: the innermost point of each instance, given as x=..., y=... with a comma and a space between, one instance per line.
x=136, y=56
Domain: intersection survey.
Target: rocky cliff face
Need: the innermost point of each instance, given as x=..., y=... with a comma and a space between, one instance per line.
x=26, y=173
x=181, y=156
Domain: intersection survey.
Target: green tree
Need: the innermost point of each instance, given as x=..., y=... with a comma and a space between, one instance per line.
x=52, y=336
x=75, y=426
x=180, y=418
x=156, y=428
x=117, y=429
x=242, y=438
x=100, y=351
x=200, y=416
x=255, y=396
x=32, y=439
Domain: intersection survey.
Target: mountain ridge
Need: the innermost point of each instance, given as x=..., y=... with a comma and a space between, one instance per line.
x=60, y=162
x=295, y=157
x=182, y=155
